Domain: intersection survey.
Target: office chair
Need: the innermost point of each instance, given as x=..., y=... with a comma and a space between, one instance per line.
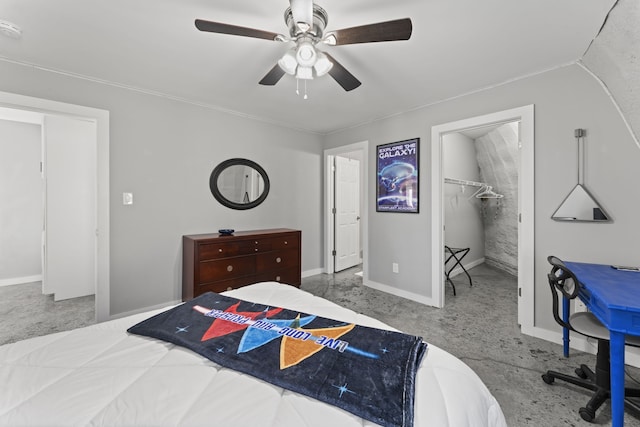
x=562, y=280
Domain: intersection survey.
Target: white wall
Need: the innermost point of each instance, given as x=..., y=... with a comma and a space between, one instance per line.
x=21, y=208
x=565, y=99
x=163, y=151
x=463, y=221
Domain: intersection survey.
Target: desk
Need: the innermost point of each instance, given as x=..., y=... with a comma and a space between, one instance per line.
x=614, y=297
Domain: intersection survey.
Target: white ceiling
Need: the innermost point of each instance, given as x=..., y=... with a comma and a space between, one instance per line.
x=457, y=47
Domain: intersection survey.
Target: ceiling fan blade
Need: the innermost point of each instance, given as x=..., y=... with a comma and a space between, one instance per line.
x=273, y=76
x=342, y=76
x=234, y=30
x=399, y=29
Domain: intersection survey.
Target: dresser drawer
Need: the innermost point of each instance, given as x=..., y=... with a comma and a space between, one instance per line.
x=290, y=276
x=223, y=269
x=214, y=263
x=277, y=260
x=223, y=285
x=287, y=241
x=224, y=249
x=261, y=245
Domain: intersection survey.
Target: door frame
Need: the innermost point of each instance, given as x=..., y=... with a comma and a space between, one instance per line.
x=524, y=115
x=329, y=226
x=101, y=118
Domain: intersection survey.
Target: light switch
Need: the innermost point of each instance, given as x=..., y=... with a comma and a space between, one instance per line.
x=127, y=198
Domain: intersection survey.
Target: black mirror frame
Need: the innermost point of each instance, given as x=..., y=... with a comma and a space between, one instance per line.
x=213, y=184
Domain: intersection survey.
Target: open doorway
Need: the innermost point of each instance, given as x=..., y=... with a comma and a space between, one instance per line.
x=480, y=199
x=99, y=121
x=345, y=201
x=21, y=186
x=525, y=258
x=346, y=208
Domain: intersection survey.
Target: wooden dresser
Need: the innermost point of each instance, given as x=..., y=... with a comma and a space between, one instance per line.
x=212, y=262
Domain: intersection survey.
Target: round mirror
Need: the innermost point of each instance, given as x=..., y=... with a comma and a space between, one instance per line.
x=239, y=184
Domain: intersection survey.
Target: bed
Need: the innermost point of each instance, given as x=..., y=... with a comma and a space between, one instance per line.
x=103, y=376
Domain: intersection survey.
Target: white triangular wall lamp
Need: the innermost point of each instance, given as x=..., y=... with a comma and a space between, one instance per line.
x=579, y=205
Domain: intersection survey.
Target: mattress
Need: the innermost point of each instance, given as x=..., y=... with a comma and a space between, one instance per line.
x=102, y=376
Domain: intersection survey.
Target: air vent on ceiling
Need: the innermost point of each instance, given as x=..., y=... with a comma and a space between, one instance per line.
x=10, y=30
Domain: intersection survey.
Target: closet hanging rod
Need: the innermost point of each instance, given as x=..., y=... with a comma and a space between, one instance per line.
x=465, y=182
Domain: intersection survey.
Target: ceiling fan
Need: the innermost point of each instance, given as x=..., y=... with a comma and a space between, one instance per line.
x=306, y=22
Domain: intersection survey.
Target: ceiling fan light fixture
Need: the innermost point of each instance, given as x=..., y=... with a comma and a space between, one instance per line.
x=322, y=65
x=288, y=62
x=306, y=54
x=304, y=73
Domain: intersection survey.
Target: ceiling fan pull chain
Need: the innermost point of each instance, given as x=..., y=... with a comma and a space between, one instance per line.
x=305, y=89
x=297, y=84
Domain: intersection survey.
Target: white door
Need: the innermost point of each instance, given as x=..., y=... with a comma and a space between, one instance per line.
x=347, y=204
x=70, y=207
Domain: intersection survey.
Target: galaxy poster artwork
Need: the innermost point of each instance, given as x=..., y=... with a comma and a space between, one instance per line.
x=397, y=175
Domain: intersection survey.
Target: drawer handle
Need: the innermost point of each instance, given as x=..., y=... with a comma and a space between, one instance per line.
x=220, y=250
x=229, y=288
x=229, y=268
x=256, y=249
x=278, y=260
x=286, y=243
x=277, y=278
x=256, y=242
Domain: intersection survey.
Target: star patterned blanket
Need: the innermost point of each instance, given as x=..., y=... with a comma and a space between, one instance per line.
x=366, y=371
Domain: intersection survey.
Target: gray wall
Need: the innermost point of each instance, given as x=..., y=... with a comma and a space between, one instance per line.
x=463, y=223
x=565, y=99
x=498, y=160
x=613, y=58
x=21, y=208
x=163, y=152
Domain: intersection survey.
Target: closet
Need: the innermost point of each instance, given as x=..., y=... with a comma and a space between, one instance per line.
x=480, y=167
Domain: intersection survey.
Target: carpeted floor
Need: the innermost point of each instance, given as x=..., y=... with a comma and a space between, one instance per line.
x=479, y=326
x=26, y=313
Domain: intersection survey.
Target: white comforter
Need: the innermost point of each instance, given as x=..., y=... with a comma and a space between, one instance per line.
x=102, y=376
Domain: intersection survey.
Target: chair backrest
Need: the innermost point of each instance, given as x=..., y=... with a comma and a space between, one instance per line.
x=561, y=280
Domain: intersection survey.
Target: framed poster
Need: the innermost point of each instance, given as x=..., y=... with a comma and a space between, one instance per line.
x=397, y=175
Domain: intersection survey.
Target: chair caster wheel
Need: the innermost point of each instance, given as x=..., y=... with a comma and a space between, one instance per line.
x=547, y=378
x=579, y=372
x=587, y=414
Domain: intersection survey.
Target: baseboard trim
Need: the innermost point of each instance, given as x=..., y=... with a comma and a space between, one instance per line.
x=313, y=272
x=400, y=293
x=581, y=343
x=142, y=310
x=21, y=280
x=468, y=266
x=176, y=302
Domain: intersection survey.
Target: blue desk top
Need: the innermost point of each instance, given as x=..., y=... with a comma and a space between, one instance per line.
x=618, y=289
x=614, y=298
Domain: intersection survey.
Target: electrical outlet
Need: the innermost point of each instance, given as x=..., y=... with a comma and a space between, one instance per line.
x=127, y=198
x=394, y=267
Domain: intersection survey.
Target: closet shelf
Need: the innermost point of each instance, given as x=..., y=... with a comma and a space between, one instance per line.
x=484, y=192
x=465, y=182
